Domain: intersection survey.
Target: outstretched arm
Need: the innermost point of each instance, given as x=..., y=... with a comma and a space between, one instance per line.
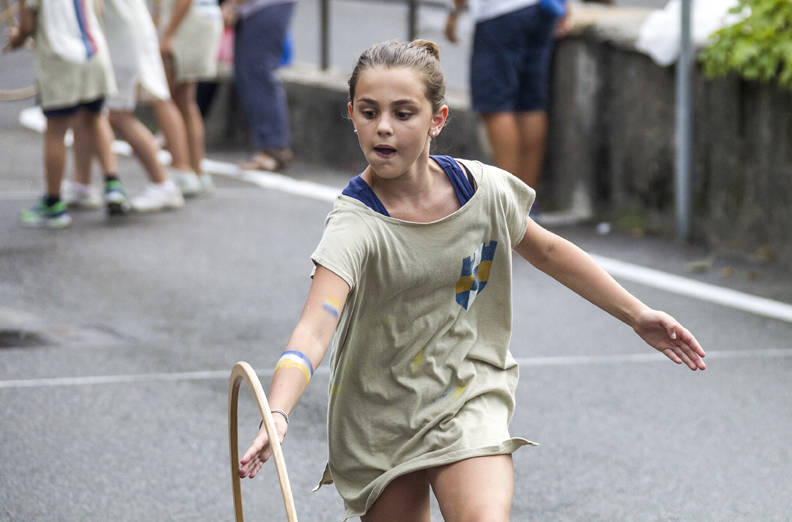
x=573, y=268
x=310, y=338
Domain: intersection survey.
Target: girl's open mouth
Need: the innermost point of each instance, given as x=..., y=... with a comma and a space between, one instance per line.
x=384, y=151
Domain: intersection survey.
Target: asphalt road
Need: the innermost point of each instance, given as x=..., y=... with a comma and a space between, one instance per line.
x=114, y=399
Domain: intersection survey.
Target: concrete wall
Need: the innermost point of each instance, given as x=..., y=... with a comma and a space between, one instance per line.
x=611, y=138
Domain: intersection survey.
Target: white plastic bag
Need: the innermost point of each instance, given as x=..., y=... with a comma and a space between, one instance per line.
x=660, y=33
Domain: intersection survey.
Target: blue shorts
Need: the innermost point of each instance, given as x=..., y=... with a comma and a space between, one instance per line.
x=510, y=65
x=92, y=106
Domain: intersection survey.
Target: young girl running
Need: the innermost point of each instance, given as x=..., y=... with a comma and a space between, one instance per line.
x=413, y=286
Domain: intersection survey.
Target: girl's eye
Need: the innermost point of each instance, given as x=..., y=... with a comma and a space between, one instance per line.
x=403, y=115
x=368, y=113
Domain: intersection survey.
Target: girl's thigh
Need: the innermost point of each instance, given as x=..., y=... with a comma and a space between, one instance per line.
x=477, y=489
x=406, y=498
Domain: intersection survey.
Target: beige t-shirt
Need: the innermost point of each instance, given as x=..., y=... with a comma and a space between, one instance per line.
x=66, y=79
x=421, y=370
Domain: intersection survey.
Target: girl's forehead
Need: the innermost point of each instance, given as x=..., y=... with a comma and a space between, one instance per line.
x=403, y=79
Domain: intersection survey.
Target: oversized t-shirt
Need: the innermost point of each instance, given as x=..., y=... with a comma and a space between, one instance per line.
x=421, y=373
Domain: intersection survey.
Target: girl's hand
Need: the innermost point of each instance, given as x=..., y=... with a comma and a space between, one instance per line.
x=666, y=335
x=260, y=451
x=15, y=39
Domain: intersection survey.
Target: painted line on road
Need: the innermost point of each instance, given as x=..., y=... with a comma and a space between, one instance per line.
x=33, y=119
x=696, y=289
x=535, y=362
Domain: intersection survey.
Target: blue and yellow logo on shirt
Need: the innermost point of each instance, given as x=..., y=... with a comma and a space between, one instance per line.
x=475, y=273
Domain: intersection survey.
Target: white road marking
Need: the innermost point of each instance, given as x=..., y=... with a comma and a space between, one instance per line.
x=32, y=118
x=535, y=362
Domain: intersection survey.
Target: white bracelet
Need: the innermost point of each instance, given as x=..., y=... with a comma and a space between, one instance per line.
x=285, y=415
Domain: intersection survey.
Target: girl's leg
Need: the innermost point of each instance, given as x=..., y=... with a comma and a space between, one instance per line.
x=533, y=141
x=55, y=153
x=171, y=123
x=184, y=97
x=504, y=138
x=83, y=152
x=406, y=498
x=475, y=490
x=142, y=142
x=102, y=139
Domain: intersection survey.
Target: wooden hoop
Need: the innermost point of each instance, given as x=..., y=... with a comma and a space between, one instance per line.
x=243, y=370
x=7, y=14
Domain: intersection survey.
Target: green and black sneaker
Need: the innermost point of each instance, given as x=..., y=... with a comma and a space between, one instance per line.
x=115, y=198
x=48, y=216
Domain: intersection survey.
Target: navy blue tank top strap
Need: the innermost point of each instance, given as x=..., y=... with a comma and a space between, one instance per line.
x=462, y=181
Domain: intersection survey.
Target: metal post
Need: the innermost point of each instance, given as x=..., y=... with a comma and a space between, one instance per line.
x=324, y=34
x=684, y=124
x=412, y=20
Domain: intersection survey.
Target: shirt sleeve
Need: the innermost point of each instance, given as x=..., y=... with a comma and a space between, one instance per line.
x=343, y=247
x=516, y=199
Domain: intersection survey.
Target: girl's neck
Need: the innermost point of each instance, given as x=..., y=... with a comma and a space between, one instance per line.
x=422, y=194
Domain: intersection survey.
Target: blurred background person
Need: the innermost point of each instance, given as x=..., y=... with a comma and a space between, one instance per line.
x=260, y=32
x=510, y=76
x=190, y=32
x=74, y=77
x=134, y=51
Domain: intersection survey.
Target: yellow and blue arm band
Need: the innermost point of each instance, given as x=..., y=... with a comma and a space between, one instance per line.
x=295, y=359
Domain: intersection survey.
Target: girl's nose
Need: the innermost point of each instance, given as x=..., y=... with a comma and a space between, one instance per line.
x=384, y=126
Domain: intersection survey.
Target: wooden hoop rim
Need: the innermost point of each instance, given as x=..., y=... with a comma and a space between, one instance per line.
x=243, y=370
x=7, y=14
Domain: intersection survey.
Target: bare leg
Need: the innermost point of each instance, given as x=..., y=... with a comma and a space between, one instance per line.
x=83, y=152
x=406, y=498
x=55, y=153
x=533, y=143
x=102, y=140
x=478, y=489
x=504, y=138
x=170, y=121
x=184, y=97
x=142, y=142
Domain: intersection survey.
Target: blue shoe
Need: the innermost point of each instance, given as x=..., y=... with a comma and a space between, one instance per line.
x=48, y=216
x=115, y=198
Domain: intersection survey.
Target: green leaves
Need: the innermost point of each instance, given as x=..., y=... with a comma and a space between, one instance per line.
x=757, y=47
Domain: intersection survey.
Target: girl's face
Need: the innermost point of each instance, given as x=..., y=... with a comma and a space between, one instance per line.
x=394, y=119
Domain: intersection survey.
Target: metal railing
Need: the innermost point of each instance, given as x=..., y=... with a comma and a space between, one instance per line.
x=412, y=22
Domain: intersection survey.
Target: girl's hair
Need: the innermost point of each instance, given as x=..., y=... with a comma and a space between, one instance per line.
x=423, y=56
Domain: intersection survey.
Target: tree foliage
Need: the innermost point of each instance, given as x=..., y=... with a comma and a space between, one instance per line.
x=757, y=47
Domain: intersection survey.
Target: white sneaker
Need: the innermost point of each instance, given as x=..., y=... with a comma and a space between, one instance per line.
x=187, y=181
x=80, y=197
x=207, y=185
x=159, y=196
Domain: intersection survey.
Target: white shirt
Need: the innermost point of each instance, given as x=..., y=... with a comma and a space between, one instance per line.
x=482, y=10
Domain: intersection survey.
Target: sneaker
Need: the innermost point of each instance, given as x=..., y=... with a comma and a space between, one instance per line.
x=116, y=201
x=187, y=181
x=207, y=185
x=49, y=216
x=80, y=197
x=159, y=196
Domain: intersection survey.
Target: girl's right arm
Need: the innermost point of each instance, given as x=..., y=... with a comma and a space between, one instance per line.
x=311, y=338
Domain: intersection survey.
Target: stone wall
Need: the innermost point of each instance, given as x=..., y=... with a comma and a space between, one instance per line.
x=611, y=138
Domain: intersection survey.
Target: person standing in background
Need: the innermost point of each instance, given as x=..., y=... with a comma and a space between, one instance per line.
x=510, y=76
x=260, y=29
x=190, y=34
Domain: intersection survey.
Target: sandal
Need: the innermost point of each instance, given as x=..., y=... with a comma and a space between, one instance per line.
x=271, y=160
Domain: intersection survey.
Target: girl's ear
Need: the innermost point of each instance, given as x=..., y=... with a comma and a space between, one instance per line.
x=349, y=109
x=439, y=120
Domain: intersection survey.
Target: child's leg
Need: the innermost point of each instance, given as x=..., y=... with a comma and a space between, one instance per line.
x=170, y=121
x=55, y=153
x=83, y=151
x=101, y=139
x=479, y=489
x=142, y=142
x=406, y=498
x=184, y=97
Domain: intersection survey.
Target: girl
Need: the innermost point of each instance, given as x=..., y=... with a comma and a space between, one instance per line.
x=413, y=284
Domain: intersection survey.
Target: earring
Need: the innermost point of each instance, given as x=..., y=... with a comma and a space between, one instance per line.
x=354, y=130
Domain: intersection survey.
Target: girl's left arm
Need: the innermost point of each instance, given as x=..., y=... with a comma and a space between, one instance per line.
x=573, y=268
